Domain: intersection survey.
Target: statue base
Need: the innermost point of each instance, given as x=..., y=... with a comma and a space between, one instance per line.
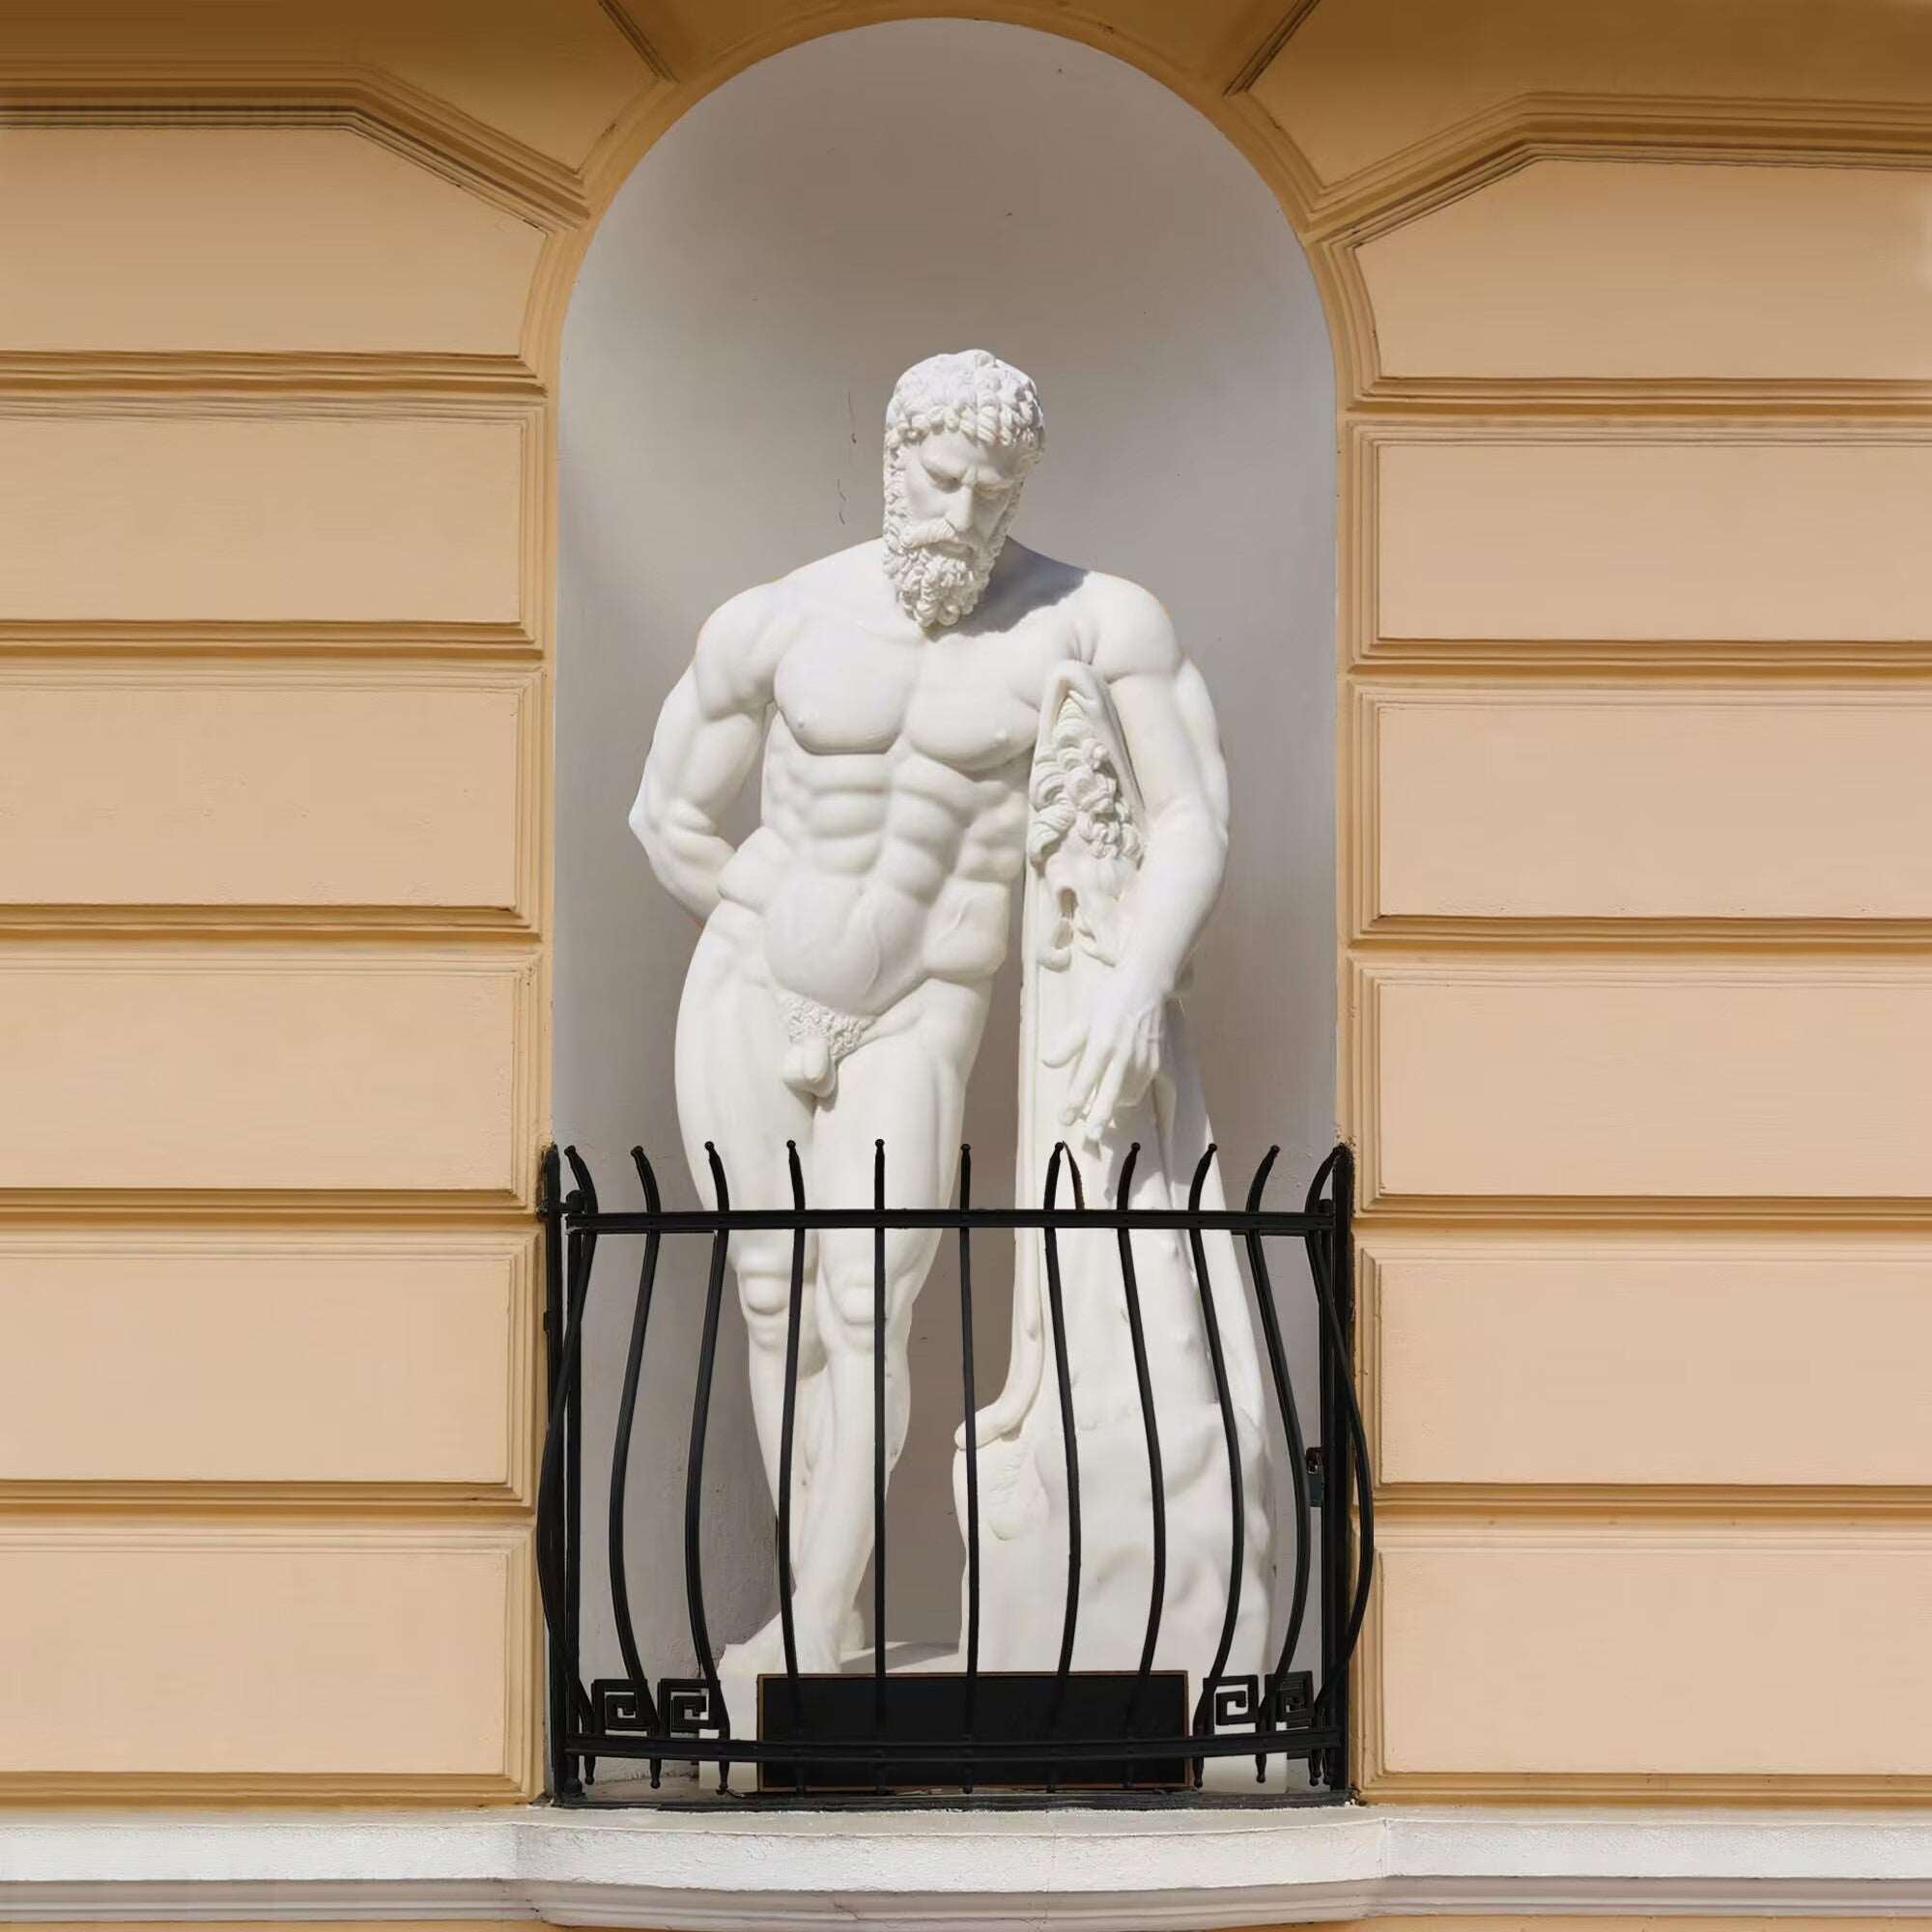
x=1039, y=1732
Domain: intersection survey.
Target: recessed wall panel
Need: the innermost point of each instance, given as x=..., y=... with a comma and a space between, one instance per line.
x=1604, y=268
x=256, y=240
x=1686, y=1361
x=258, y=787
x=1611, y=804
x=339, y=518
x=555, y=78
x=200, y=1066
x=248, y=1651
x=1651, y=1651
x=1612, y=539
x=1639, y=1077
x=175, y=1356
x=1357, y=84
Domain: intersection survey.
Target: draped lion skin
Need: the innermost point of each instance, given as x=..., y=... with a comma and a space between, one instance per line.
x=841, y=985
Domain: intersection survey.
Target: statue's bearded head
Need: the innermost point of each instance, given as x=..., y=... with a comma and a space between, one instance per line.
x=962, y=432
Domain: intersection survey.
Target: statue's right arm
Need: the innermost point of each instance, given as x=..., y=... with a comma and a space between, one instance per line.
x=705, y=744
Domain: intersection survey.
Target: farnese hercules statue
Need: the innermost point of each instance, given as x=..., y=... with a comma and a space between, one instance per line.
x=944, y=712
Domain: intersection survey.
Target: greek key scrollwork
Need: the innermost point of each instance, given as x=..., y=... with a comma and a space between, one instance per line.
x=685, y=1703
x=1295, y=1706
x=617, y=1707
x=1234, y=1703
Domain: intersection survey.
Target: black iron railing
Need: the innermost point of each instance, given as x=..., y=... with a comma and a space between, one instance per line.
x=963, y=1730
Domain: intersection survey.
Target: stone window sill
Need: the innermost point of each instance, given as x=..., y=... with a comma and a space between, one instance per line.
x=935, y=1871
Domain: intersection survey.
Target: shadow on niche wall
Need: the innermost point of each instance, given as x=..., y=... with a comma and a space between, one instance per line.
x=774, y=261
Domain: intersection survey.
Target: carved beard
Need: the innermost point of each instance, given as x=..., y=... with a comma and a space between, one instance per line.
x=935, y=587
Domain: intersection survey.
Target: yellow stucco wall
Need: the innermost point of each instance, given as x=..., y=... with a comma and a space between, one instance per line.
x=1633, y=323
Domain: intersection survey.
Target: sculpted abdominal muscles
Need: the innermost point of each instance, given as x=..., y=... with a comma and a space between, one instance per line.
x=858, y=943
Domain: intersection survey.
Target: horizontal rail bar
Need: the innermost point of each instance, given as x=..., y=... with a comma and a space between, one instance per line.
x=751, y=1221
x=687, y=1750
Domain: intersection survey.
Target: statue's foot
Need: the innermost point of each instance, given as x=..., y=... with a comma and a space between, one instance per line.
x=764, y=1655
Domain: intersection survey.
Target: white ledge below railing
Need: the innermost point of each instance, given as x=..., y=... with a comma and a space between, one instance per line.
x=936, y=1871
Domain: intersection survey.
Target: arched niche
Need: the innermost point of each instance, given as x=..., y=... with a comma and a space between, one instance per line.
x=780, y=254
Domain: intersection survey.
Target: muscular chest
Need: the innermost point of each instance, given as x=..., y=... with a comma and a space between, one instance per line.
x=968, y=703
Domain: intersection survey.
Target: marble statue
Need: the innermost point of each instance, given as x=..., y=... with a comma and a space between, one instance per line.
x=941, y=713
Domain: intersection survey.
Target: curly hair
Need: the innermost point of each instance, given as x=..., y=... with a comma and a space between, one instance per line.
x=995, y=406
x=971, y=390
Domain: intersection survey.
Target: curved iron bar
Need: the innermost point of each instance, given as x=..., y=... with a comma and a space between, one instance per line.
x=694, y=1470
x=620, y=1467
x=1068, y=1443
x=1231, y=1434
x=1156, y=1480
x=556, y=1329
x=1311, y=1202
x=573, y=1448
x=788, y=1428
x=972, y=1432
x=585, y=1248
x=1297, y=1448
x=1335, y=1165
x=1332, y=1508
x=556, y=1695
x=559, y=1470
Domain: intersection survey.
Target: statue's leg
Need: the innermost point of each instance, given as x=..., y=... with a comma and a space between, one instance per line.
x=907, y=1086
x=731, y=1090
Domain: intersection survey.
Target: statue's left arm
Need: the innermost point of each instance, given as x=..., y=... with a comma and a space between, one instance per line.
x=1168, y=722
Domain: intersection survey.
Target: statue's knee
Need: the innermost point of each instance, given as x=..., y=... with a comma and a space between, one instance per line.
x=851, y=1299
x=765, y=1295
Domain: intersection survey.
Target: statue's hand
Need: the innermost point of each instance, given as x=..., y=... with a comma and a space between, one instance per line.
x=1121, y=1057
